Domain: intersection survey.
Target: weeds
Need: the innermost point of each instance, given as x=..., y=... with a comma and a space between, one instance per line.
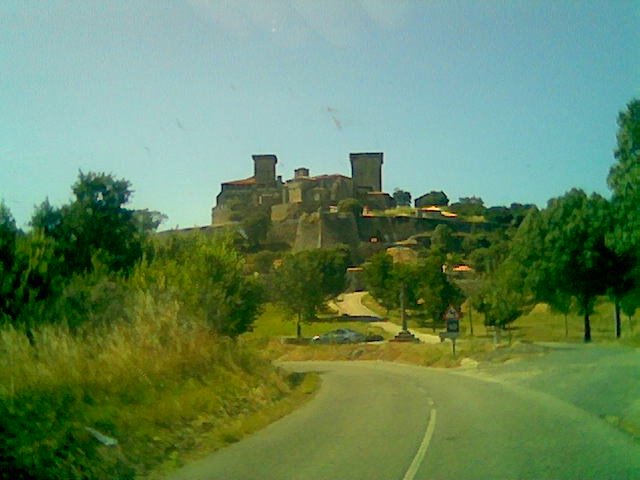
x=154, y=384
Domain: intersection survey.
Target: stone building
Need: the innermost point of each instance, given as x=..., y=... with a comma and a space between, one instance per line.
x=303, y=193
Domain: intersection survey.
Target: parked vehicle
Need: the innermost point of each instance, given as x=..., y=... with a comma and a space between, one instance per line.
x=341, y=335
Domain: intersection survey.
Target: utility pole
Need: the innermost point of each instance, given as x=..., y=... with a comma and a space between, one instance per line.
x=402, y=315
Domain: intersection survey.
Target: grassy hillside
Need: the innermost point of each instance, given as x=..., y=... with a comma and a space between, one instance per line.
x=162, y=388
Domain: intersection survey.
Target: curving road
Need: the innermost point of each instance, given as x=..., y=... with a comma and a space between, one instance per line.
x=375, y=420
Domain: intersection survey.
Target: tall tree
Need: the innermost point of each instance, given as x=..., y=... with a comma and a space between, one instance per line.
x=378, y=274
x=96, y=226
x=442, y=239
x=402, y=197
x=562, y=249
x=307, y=279
x=350, y=205
x=502, y=297
x=256, y=224
x=624, y=181
x=468, y=206
x=624, y=236
x=435, y=290
x=8, y=235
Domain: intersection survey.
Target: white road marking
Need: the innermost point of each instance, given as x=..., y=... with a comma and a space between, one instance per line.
x=422, y=451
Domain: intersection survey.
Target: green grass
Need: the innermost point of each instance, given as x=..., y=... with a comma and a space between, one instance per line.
x=276, y=322
x=539, y=325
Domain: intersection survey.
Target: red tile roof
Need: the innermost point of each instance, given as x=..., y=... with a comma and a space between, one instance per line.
x=245, y=181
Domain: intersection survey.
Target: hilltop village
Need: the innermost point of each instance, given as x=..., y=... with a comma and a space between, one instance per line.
x=304, y=211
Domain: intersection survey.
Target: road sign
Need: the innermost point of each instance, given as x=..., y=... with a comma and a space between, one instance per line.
x=452, y=313
x=452, y=320
x=453, y=325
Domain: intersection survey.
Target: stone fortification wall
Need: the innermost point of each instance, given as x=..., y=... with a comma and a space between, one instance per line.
x=394, y=229
x=283, y=232
x=325, y=230
x=339, y=228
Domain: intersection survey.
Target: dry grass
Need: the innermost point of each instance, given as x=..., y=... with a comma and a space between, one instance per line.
x=440, y=355
x=161, y=385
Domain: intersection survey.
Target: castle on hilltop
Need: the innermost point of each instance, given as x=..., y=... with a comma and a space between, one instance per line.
x=289, y=199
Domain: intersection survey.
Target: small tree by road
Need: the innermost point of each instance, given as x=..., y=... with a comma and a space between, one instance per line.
x=307, y=280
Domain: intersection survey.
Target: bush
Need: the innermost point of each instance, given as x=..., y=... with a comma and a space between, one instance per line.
x=149, y=383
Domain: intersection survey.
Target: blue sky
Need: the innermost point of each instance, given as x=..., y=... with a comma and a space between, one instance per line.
x=507, y=100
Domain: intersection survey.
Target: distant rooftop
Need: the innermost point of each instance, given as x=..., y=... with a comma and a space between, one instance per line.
x=245, y=181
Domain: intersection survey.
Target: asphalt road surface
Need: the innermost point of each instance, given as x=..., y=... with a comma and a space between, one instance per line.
x=375, y=420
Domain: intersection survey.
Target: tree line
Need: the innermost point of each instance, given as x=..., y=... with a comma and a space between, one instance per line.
x=79, y=263
x=83, y=264
x=580, y=247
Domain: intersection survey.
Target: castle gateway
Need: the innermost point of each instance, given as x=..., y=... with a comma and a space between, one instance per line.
x=303, y=193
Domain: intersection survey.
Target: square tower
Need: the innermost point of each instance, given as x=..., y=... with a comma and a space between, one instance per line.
x=264, y=170
x=366, y=172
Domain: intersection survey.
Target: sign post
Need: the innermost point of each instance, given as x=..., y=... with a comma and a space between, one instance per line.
x=452, y=322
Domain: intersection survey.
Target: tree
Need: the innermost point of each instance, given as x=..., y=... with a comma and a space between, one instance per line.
x=148, y=220
x=96, y=227
x=442, y=239
x=502, y=296
x=46, y=218
x=624, y=235
x=8, y=236
x=468, y=206
x=256, y=224
x=40, y=278
x=417, y=286
x=624, y=181
x=474, y=241
x=435, y=290
x=562, y=249
x=433, y=198
x=519, y=212
x=307, y=280
x=499, y=215
x=205, y=274
x=402, y=197
x=630, y=304
x=378, y=274
x=350, y=205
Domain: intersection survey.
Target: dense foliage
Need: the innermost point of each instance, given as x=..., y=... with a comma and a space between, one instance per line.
x=102, y=322
x=304, y=281
x=578, y=248
x=402, y=197
x=422, y=286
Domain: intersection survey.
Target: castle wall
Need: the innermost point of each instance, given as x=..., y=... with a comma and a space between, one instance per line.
x=324, y=230
x=283, y=232
x=394, y=229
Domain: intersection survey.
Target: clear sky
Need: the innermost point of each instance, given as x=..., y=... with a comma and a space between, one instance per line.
x=507, y=100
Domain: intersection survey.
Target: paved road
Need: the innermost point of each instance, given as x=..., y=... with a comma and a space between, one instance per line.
x=351, y=304
x=375, y=420
x=603, y=380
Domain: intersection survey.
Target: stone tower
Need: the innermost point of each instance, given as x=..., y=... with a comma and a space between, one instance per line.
x=366, y=172
x=264, y=170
